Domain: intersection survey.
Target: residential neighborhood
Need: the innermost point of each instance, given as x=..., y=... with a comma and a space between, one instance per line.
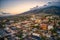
x=35, y=28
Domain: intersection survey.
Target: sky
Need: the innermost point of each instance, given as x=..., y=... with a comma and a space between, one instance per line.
x=19, y=6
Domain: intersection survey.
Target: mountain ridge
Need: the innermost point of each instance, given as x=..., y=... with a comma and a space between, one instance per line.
x=50, y=10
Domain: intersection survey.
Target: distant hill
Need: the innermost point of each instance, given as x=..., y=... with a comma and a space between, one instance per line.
x=4, y=14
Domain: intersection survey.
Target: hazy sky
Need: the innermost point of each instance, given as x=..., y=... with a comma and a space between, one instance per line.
x=19, y=6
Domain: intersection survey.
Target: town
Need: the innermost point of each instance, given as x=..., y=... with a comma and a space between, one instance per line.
x=31, y=27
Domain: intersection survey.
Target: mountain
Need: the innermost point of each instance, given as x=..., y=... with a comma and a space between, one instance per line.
x=52, y=10
x=49, y=8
